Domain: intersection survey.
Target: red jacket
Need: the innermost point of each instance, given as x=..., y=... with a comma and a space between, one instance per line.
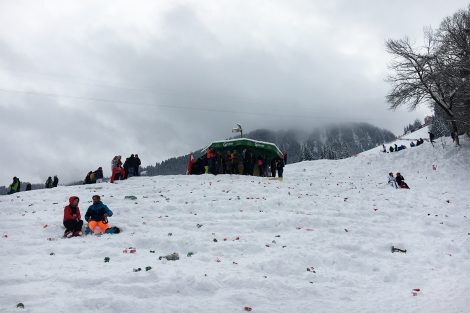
x=70, y=212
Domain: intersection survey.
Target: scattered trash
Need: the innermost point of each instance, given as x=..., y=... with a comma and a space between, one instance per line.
x=52, y=253
x=199, y=225
x=311, y=269
x=148, y=268
x=152, y=251
x=106, y=260
x=130, y=250
x=20, y=305
x=247, y=308
x=215, y=240
x=170, y=234
x=190, y=254
x=398, y=250
x=137, y=269
x=130, y=197
x=218, y=260
x=45, y=226
x=170, y=257
x=415, y=292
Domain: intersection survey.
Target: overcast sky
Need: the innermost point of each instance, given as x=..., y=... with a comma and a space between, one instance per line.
x=82, y=81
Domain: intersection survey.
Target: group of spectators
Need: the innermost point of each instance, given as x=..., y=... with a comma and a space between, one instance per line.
x=51, y=183
x=241, y=162
x=419, y=142
x=121, y=171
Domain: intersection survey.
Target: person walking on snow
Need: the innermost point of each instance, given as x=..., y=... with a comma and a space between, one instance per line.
x=72, y=218
x=97, y=216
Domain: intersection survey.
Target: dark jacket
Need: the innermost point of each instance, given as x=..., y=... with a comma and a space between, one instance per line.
x=97, y=211
x=72, y=213
x=48, y=183
x=99, y=174
x=280, y=164
x=399, y=179
x=55, y=182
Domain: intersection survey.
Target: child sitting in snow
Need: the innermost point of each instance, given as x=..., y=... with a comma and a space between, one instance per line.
x=72, y=222
x=97, y=217
x=391, y=180
x=401, y=181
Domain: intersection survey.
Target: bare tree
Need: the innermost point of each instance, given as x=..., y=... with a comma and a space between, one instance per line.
x=437, y=72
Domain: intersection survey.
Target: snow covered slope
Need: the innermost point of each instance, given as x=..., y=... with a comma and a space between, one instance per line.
x=319, y=241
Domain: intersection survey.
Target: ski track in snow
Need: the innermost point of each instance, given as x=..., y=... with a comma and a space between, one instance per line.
x=338, y=218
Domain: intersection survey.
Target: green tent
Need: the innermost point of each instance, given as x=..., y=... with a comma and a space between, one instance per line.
x=266, y=149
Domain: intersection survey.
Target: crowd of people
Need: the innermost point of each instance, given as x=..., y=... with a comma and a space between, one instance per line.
x=419, y=142
x=120, y=171
x=243, y=162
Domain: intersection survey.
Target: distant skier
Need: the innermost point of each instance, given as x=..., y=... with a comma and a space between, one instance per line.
x=55, y=181
x=431, y=138
x=72, y=218
x=391, y=181
x=97, y=217
x=385, y=149
x=391, y=149
x=28, y=187
x=48, y=183
x=15, y=185
x=401, y=181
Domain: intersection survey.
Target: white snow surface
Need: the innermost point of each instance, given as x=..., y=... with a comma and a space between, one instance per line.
x=337, y=218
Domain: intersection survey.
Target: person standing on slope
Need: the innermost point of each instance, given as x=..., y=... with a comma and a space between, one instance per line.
x=431, y=138
x=72, y=218
x=55, y=181
x=136, y=164
x=97, y=216
x=48, y=183
x=15, y=186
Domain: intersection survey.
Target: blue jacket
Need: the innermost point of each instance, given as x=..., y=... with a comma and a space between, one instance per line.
x=96, y=212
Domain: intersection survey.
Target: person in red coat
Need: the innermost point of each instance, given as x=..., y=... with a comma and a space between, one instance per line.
x=72, y=218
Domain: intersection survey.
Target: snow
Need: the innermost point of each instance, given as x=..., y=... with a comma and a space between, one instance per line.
x=337, y=218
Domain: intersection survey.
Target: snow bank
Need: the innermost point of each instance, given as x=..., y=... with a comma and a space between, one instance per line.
x=319, y=241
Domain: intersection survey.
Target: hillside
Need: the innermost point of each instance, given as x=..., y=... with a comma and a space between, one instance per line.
x=318, y=241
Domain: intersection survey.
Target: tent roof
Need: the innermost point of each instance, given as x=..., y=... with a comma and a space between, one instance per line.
x=229, y=144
